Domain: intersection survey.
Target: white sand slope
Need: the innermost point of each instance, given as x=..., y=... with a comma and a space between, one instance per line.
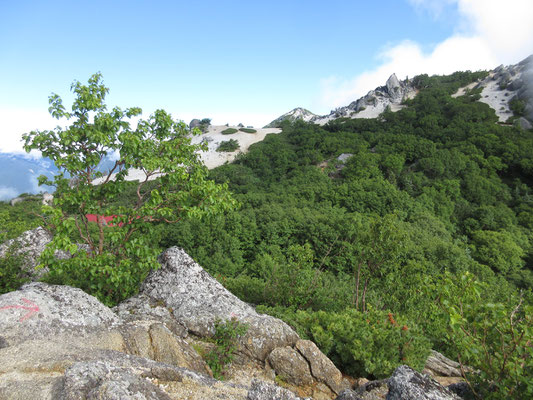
x=497, y=98
x=491, y=94
x=214, y=137
x=213, y=158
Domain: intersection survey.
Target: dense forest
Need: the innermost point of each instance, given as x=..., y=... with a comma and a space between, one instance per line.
x=380, y=239
x=420, y=236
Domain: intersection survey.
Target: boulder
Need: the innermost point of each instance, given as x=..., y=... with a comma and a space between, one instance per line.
x=439, y=365
x=197, y=300
x=322, y=368
x=408, y=384
x=290, y=366
x=48, y=328
x=195, y=123
x=523, y=123
x=38, y=310
x=264, y=391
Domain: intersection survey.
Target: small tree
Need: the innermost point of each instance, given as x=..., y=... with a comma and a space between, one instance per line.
x=117, y=257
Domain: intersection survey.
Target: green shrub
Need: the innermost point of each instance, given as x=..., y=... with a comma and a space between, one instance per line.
x=494, y=339
x=228, y=146
x=226, y=336
x=229, y=131
x=11, y=275
x=370, y=344
x=248, y=130
x=518, y=107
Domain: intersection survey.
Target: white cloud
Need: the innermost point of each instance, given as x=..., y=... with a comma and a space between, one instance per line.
x=7, y=193
x=488, y=33
x=16, y=121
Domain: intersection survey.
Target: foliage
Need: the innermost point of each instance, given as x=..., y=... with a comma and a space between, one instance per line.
x=204, y=124
x=227, y=333
x=370, y=344
x=19, y=218
x=228, y=145
x=122, y=253
x=248, y=130
x=11, y=274
x=517, y=106
x=229, y=131
x=494, y=339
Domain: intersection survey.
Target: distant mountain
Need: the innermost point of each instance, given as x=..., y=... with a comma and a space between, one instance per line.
x=19, y=173
x=370, y=106
x=297, y=113
x=507, y=89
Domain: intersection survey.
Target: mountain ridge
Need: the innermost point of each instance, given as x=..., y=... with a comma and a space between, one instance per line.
x=502, y=85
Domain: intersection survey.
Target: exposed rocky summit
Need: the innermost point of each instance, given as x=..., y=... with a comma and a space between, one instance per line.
x=370, y=106
x=375, y=102
x=502, y=85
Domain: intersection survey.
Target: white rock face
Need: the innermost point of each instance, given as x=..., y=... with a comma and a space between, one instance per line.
x=504, y=84
x=375, y=102
x=370, y=106
x=197, y=300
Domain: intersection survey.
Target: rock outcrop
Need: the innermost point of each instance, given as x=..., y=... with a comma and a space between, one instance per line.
x=59, y=342
x=439, y=365
x=197, y=300
x=408, y=384
x=195, y=123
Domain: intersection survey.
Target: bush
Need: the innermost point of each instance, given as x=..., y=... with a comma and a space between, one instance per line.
x=494, y=339
x=229, y=131
x=226, y=335
x=248, y=130
x=370, y=344
x=228, y=146
x=11, y=275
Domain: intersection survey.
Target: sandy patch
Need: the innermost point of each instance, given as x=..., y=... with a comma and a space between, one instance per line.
x=213, y=158
x=462, y=91
x=214, y=137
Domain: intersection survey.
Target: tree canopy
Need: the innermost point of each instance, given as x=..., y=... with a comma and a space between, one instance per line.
x=173, y=185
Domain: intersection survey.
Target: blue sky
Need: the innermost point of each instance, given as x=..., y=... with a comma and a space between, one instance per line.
x=240, y=61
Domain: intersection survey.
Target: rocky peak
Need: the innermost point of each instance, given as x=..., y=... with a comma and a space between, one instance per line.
x=505, y=85
x=392, y=85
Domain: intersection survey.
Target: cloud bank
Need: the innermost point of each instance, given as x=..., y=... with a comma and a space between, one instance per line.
x=488, y=33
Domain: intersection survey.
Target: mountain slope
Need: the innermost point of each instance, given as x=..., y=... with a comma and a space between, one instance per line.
x=507, y=89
